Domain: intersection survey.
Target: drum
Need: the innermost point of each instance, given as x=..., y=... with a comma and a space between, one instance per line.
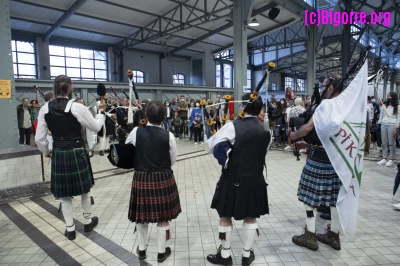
x=91, y=136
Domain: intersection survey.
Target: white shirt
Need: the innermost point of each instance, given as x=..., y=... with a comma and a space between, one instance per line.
x=387, y=117
x=131, y=139
x=27, y=118
x=168, y=112
x=85, y=118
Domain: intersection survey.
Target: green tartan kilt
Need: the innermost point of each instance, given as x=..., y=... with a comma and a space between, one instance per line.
x=71, y=172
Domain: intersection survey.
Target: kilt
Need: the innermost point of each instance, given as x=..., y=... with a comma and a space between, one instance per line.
x=71, y=172
x=154, y=197
x=319, y=183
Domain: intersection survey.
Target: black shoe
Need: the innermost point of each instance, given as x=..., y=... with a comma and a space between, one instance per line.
x=141, y=254
x=70, y=235
x=247, y=261
x=92, y=225
x=323, y=209
x=218, y=259
x=101, y=153
x=108, y=151
x=163, y=256
x=326, y=216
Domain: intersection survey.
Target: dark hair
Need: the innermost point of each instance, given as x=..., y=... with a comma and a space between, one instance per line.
x=32, y=101
x=369, y=98
x=253, y=108
x=279, y=106
x=394, y=102
x=166, y=101
x=284, y=104
x=23, y=99
x=155, y=112
x=61, y=86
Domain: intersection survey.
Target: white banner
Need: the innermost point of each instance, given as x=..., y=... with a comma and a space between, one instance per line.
x=340, y=124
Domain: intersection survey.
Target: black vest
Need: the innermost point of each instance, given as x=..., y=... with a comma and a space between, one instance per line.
x=62, y=125
x=249, y=149
x=152, y=150
x=312, y=137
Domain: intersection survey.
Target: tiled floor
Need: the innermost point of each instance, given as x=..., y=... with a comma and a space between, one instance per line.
x=194, y=233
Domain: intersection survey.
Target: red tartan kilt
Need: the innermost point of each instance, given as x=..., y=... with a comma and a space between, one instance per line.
x=154, y=197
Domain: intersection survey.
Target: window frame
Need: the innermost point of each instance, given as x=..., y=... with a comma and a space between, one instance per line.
x=81, y=68
x=135, y=76
x=18, y=75
x=179, y=77
x=286, y=82
x=274, y=88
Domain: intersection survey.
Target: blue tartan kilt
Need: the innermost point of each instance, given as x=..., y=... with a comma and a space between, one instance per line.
x=71, y=172
x=319, y=183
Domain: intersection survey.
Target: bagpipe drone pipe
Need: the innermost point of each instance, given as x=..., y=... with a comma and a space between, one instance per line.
x=317, y=98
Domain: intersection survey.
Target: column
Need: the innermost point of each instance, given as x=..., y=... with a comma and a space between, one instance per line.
x=392, y=80
x=43, y=58
x=312, y=50
x=8, y=112
x=241, y=14
x=385, y=82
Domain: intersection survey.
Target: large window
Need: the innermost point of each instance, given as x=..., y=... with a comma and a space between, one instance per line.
x=288, y=82
x=228, y=76
x=24, y=59
x=301, y=85
x=249, y=79
x=138, y=76
x=274, y=86
x=218, y=75
x=179, y=79
x=78, y=64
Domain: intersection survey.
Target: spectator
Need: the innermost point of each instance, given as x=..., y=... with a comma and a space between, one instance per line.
x=177, y=121
x=190, y=124
x=308, y=101
x=370, y=117
x=289, y=93
x=292, y=113
x=48, y=96
x=24, y=122
x=183, y=113
x=168, y=116
x=197, y=120
x=261, y=115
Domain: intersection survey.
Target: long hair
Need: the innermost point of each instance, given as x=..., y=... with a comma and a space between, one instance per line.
x=394, y=102
x=61, y=86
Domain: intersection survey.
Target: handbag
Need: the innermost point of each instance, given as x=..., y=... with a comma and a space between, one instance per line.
x=122, y=155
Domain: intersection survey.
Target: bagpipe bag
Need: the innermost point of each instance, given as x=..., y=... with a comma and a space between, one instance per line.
x=122, y=155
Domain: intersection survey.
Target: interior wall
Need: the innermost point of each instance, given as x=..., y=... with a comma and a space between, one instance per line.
x=181, y=65
x=145, y=62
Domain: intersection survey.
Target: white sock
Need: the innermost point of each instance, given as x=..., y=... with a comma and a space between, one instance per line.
x=335, y=222
x=66, y=207
x=142, y=232
x=87, y=208
x=226, y=244
x=249, y=236
x=162, y=238
x=310, y=221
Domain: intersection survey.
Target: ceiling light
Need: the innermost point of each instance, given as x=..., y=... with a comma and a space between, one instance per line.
x=254, y=23
x=336, y=58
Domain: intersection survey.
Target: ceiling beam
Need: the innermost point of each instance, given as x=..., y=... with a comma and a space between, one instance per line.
x=63, y=18
x=199, y=39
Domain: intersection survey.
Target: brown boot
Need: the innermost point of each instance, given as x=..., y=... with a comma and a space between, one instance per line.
x=330, y=238
x=307, y=239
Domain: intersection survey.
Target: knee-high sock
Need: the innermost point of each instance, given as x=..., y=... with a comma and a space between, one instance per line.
x=104, y=143
x=162, y=238
x=142, y=231
x=249, y=236
x=226, y=244
x=87, y=208
x=310, y=218
x=66, y=207
x=335, y=222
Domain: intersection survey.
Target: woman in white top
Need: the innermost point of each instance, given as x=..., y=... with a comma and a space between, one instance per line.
x=390, y=120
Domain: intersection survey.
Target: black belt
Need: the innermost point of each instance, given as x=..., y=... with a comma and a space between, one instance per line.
x=68, y=145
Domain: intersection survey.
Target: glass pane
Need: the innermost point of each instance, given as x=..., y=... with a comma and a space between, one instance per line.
x=101, y=74
x=72, y=52
x=57, y=61
x=181, y=82
x=218, y=75
x=140, y=80
x=27, y=77
x=88, y=73
x=72, y=62
x=26, y=58
x=227, y=76
x=26, y=70
x=13, y=45
x=138, y=73
x=100, y=64
x=25, y=47
x=56, y=50
x=15, y=57
x=87, y=63
x=15, y=69
x=55, y=71
x=100, y=55
x=74, y=72
x=87, y=54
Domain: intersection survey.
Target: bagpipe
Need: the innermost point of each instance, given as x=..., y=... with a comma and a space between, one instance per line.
x=38, y=91
x=318, y=97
